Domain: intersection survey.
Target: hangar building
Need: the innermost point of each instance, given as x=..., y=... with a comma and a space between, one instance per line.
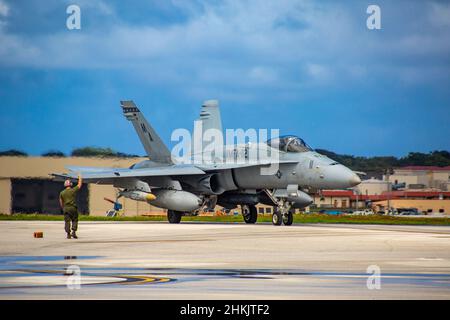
x=422, y=177
x=26, y=187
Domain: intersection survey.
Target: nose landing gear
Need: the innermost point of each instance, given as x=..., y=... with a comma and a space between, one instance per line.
x=288, y=218
x=277, y=217
x=282, y=216
x=283, y=213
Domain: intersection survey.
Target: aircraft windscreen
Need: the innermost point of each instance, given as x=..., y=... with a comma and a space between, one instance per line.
x=289, y=144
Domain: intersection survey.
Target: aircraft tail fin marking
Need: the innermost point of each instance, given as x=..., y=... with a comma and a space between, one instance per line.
x=153, y=145
x=210, y=116
x=210, y=120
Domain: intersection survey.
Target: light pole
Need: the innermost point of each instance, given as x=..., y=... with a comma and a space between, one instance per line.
x=388, y=174
x=357, y=198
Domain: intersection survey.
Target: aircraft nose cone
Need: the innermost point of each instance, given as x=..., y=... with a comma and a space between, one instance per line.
x=354, y=180
x=339, y=177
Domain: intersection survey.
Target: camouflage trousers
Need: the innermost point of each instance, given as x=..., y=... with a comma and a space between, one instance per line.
x=70, y=216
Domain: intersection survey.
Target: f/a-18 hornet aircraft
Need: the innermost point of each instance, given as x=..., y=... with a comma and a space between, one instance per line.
x=237, y=176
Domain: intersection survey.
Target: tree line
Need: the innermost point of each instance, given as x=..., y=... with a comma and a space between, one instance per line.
x=440, y=158
x=78, y=152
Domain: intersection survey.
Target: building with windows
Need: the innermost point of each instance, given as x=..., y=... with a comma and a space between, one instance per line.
x=372, y=186
x=423, y=206
x=333, y=199
x=425, y=201
x=421, y=177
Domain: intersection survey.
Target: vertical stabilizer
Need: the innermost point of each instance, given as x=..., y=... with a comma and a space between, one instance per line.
x=209, y=120
x=153, y=145
x=210, y=116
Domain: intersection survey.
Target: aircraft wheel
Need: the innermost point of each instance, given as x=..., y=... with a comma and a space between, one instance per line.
x=288, y=218
x=249, y=213
x=174, y=216
x=277, y=218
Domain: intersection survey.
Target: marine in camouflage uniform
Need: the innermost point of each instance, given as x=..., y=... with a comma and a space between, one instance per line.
x=67, y=200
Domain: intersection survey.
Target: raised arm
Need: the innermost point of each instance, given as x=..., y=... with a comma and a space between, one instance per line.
x=80, y=180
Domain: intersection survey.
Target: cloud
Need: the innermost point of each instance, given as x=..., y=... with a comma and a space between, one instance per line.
x=439, y=14
x=4, y=9
x=318, y=72
x=244, y=44
x=263, y=74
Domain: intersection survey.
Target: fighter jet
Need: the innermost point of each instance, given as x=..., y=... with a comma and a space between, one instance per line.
x=230, y=178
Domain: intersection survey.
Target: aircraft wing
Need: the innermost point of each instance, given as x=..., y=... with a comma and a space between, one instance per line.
x=107, y=175
x=95, y=174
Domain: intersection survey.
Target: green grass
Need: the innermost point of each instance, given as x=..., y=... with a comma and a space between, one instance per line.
x=298, y=218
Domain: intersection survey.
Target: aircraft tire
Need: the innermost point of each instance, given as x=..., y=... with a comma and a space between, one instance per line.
x=277, y=218
x=251, y=214
x=288, y=218
x=174, y=216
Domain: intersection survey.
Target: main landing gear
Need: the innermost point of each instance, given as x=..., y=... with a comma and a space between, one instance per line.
x=174, y=216
x=249, y=213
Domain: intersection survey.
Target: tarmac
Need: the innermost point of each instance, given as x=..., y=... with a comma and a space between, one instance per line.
x=157, y=260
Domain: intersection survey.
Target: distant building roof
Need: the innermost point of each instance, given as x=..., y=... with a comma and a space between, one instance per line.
x=385, y=195
x=424, y=168
x=374, y=181
x=407, y=193
x=371, y=197
x=337, y=193
x=352, y=196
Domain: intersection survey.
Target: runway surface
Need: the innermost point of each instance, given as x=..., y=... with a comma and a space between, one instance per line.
x=157, y=260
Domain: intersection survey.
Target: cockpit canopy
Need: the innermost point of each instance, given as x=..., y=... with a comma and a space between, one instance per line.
x=289, y=144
